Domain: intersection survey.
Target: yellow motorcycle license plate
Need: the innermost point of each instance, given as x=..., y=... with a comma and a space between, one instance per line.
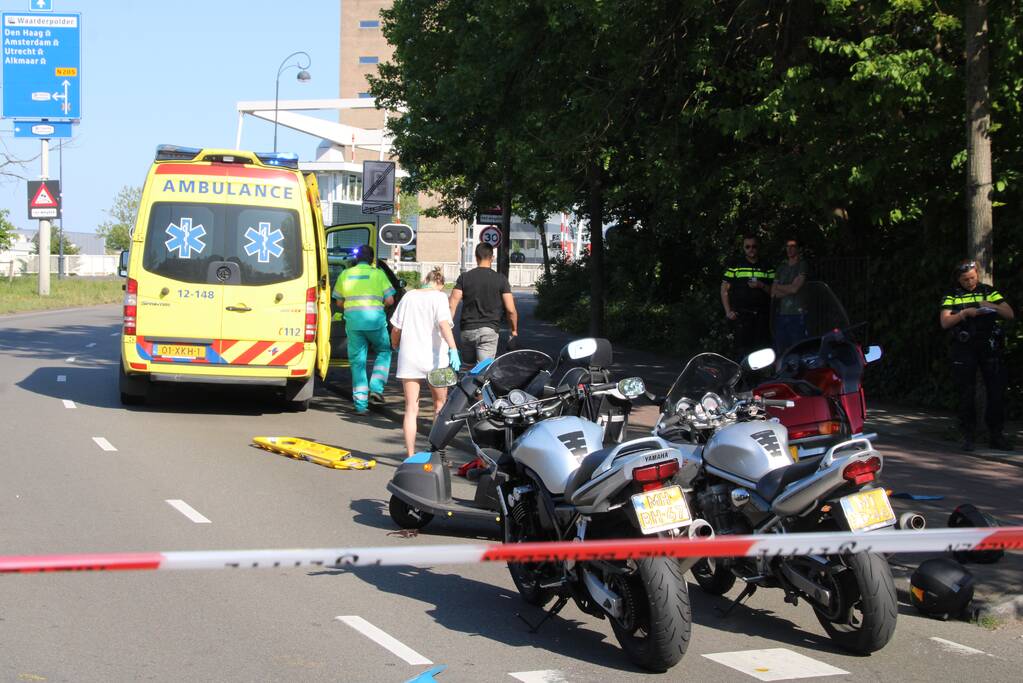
x=661, y=509
x=868, y=510
x=179, y=351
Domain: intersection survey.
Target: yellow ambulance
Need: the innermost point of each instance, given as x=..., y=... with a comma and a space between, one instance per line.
x=227, y=275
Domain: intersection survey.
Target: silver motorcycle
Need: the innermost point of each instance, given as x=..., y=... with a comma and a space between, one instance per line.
x=740, y=476
x=563, y=484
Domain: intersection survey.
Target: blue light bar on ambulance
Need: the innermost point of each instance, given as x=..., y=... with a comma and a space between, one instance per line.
x=289, y=160
x=175, y=152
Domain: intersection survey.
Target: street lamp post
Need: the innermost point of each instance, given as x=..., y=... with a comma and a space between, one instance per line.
x=303, y=77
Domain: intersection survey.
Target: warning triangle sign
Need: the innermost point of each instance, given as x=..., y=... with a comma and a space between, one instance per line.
x=43, y=198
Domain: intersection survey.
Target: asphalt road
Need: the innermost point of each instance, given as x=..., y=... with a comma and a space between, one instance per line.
x=80, y=473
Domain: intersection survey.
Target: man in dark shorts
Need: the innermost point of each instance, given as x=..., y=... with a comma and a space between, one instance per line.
x=486, y=298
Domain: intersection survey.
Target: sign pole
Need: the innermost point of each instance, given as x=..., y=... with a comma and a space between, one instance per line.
x=44, y=225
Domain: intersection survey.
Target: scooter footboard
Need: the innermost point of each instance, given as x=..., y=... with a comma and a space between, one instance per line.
x=800, y=495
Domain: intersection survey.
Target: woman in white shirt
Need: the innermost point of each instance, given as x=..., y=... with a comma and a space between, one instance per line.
x=421, y=333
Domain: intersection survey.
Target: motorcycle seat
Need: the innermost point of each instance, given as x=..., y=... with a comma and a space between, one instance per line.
x=775, y=481
x=586, y=469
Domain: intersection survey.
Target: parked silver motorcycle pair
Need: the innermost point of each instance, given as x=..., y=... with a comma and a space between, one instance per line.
x=712, y=452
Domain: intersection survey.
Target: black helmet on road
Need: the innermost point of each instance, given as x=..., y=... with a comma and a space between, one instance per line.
x=967, y=515
x=941, y=588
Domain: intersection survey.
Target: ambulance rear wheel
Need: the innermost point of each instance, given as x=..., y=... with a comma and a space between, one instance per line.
x=406, y=516
x=298, y=393
x=133, y=389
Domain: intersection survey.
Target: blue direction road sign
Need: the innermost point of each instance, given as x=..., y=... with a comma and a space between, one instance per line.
x=42, y=129
x=42, y=66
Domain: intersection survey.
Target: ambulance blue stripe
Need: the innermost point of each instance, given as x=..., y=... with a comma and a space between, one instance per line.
x=142, y=352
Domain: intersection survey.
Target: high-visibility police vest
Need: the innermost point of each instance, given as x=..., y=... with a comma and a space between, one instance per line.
x=364, y=288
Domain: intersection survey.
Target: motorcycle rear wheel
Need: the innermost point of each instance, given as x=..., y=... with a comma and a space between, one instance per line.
x=864, y=600
x=655, y=628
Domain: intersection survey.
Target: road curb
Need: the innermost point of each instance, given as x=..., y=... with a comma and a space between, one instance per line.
x=1008, y=609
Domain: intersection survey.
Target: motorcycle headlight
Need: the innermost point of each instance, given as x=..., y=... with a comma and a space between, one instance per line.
x=631, y=387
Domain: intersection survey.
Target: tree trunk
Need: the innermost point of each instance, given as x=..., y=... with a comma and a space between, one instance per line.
x=978, y=141
x=505, y=249
x=541, y=224
x=595, y=208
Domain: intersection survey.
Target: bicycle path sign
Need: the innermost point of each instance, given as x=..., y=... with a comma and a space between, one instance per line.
x=42, y=68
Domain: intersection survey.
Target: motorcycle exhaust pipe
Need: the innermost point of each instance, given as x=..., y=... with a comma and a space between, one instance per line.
x=911, y=521
x=699, y=529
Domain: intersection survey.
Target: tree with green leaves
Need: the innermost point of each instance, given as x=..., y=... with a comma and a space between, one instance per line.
x=56, y=240
x=116, y=233
x=6, y=230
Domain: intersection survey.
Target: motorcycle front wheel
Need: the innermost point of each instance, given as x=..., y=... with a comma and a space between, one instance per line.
x=861, y=615
x=656, y=619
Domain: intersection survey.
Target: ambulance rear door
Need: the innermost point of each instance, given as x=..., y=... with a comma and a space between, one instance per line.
x=323, y=283
x=180, y=299
x=266, y=288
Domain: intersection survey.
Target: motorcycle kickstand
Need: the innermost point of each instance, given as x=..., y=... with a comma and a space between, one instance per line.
x=558, y=605
x=749, y=590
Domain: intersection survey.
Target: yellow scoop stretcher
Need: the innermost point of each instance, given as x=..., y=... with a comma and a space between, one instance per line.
x=314, y=452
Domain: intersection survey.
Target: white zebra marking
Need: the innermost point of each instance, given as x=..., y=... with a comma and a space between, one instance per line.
x=103, y=443
x=395, y=646
x=188, y=511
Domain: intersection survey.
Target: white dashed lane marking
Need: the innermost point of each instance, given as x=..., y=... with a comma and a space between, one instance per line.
x=69, y=404
x=103, y=443
x=952, y=646
x=188, y=511
x=544, y=676
x=70, y=360
x=775, y=664
x=90, y=345
x=61, y=378
x=395, y=646
x=115, y=334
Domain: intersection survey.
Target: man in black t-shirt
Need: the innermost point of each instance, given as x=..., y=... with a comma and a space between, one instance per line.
x=970, y=312
x=486, y=298
x=746, y=298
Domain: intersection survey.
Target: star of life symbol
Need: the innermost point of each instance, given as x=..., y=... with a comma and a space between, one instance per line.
x=185, y=238
x=263, y=244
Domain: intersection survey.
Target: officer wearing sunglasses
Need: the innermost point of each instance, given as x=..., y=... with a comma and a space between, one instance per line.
x=971, y=313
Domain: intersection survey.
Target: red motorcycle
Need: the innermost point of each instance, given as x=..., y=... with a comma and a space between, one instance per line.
x=822, y=374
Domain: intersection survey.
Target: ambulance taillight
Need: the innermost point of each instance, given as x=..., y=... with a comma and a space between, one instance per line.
x=131, y=298
x=310, y=315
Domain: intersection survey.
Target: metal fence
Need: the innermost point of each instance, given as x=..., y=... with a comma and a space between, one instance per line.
x=84, y=265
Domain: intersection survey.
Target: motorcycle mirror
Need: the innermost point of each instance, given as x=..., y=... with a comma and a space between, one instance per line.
x=442, y=377
x=758, y=360
x=873, y=353
x=580, y=348
x=631, y=387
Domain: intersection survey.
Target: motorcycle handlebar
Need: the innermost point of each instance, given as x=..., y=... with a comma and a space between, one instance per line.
x=779, y=403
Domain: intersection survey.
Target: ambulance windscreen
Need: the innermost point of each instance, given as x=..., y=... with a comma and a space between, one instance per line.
x=184, y=239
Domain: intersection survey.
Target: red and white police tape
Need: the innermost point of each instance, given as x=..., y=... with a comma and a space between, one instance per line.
x=826, y=543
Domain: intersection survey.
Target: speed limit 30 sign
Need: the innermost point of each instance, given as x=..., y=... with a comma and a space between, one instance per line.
x=491, y=235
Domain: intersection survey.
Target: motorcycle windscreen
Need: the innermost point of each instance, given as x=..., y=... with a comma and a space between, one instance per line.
x=516, y=370
x=705, y=372
x=817, y=308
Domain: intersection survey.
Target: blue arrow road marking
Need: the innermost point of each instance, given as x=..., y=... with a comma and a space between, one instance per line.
x=264, y=243
x=185, y=238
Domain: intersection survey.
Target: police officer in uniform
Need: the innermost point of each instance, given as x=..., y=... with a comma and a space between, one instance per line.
x=971, y=312
x=365, y=291
x=746, y=298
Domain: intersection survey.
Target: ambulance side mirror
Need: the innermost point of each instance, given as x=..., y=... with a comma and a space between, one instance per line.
x=122, y=264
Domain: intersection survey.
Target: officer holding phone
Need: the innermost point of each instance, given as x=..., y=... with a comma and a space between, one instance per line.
x=971, y=313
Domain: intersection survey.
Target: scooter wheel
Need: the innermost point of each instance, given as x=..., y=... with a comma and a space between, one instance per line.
x=406, y=516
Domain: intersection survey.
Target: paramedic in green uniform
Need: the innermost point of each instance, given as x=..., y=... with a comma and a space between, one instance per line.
x=365, y=292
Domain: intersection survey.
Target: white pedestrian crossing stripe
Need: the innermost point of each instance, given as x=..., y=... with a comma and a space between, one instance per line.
x=775, y=664
x=544, y=676
x=959, y=649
